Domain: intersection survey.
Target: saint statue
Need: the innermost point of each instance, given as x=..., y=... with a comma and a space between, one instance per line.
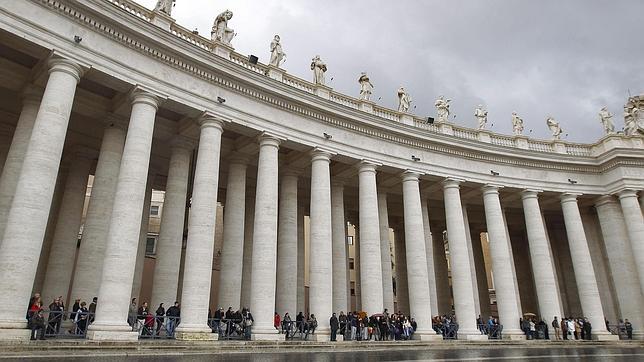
x=365, y=86
x=517, y=124
x=277, y=54
x=554, y=127
x=318, y=67
x=481, y=115
x=165, y=6
x=607, y=121
x=220, y=30
x=442, y=109
x=404, y=100
x=630, y=119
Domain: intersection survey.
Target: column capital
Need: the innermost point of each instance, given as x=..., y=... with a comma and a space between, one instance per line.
x=319, y=153
x=452, y=182
x=367, y=166
x=490, y=189
x=67, y=66
x=140, y=94
x=411, y=175
x=530, y=194
x=270, y=139
x=569, y=197
x=605, y=199
x=207, y=119
x=627, y=193
x=182, y=142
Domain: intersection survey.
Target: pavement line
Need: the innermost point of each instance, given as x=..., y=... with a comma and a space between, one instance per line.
x=524, y=357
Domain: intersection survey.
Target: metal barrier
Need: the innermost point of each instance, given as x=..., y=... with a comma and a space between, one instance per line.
x=56, y=326
x=620, y=331
x=297, y=330
x=450, y=331
x=492, y=331
x=150, y=326
x=231, y=329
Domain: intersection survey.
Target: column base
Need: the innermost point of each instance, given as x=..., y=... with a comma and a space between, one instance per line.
x=15, y=334
x=196, y=336
x=429, y=336
x=266, y=337
x=604, y=337
x=115, y=336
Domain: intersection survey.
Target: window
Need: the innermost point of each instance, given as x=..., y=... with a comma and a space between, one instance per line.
x=351, y=264
x=154, y=210
x=150, y=246
x=350, y=240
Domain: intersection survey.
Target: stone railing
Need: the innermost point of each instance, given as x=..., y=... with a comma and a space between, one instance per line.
x=387, y=114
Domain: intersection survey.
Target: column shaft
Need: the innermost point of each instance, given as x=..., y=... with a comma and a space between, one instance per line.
x=63, y=249
x=168, y=251
x=27, y=218
x=197, y=274
x=125, y=224
x=583, y=267
x=137, y=279
x=370, y=254
x=340, y=285
x=635, y=227
x=542, y=260
x=470, y=253
x=232, y=255
x=443, y=292
x=286, y=293
x=301, y=303
x=429, y=255
x=263, y=278
x=402, y=286
x=249, y=224
x=89, y=264
x=385, y=254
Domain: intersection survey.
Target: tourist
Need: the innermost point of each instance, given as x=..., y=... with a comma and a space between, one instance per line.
x=299, y=321
x=354, y=326
x=312, y=324
x=131, y=315
x=36, y=320
x=160, y=313
x=81, y=319
x=564, y=328
x=342, y=319
x=55, y=316
x=92, y=310
x=628, y=326
x=277, y=321
x=141, y=315
x=172, y=318
x=247, y=320
x=75, y=308
x=570, y=327
x=287, y=324
x=533, y=329
x=32, y=301
x=557, y=328
x=587, y=329
x=335, y=325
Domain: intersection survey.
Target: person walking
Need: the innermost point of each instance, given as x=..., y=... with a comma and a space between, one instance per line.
x=131, y=315
x=36, y=321
x=172, y=319
x=629, y=329
x=160, y=313
x=335, y=324
x=81, y=319
x=277, y=321
x=557, y=328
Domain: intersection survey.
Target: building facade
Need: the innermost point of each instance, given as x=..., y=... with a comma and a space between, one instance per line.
x=111, y=89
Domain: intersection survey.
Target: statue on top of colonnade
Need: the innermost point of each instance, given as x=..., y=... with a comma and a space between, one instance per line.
x=319, y=68
x=442, y=109
x=404, y=100
x=554, y=127
x=277, y=53
x=481, y=115
x=607, y=120
x=366, y=88
x=220, y=30
x=165, y=6
x=633, y=118
x=517, y=124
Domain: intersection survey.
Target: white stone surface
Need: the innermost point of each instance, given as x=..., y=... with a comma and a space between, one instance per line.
x=263, y=276
x=301, y=305
x=232, y=254
x=370, y=258
x=402, y=289
x=635, y=227
x=249, y=224
x=470, y=254
x=321, y=241
x=137, y=278
x=197, y=273
x=340, y=270
x=286, y=292
x=27, y=218
x=125, y=224
x=89, y=264
x=165, y=281
x=582, y=265
x=429, y=255
x=542, y=261
x=385, y=253
x=63, y=249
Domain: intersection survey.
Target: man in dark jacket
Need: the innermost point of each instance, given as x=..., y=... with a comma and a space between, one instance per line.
x=333, y=322
x=172, y=318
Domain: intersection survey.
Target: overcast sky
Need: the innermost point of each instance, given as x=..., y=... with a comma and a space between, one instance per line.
x=565, y=58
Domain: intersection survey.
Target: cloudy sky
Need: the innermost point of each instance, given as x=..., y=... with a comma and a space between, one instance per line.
x=565, y=58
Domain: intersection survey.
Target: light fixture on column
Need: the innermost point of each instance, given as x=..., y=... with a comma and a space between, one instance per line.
x=327, y=136
x=494, y=173
x=572, y=181
x=77, y=39
x=415, y=158
x=220, y=100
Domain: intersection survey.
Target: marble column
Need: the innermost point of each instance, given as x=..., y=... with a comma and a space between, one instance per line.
x=370, y=254
x=542, y=260
x=63, y=249
x=635, y=227
x=460, y=263
x=429, y=255
x=249, y=224
x=504, y=277
x=89, y=264
x=165, y=281
x=301, y=303
x=470, y=253
x=263, y=276
x=286, y=292
x=583, y=267
x=480, y=274
x=339, y=225
x=27, y=218
x=137, y=279
x=443, y=290
x=623, y=269
x=416, y=257
x=6, y=134
x=197, y=274
x=385, y=254
x=17, y=151
x=122, y=240
x=321, y=241
x=356, y=267
x=402, y=287
x=232, y=254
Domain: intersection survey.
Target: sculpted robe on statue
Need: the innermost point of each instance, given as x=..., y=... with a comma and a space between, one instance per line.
x=277, y=54
x=442, y=109
x=481, y=115
x=220, y=30
x=517, y=124
x=607, y=120
x=165, y=6
x=554, y=128
x=366, y=88
x=319, y=68
x=404, y=100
